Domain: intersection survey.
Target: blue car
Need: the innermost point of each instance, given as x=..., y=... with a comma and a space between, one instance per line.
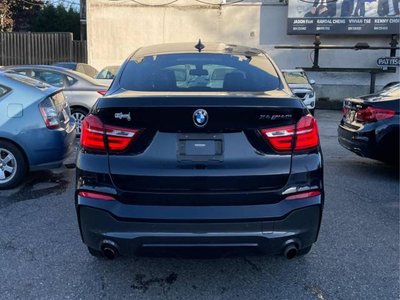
x=36, y=130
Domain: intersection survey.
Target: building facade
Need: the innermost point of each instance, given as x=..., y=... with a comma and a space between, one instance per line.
x=116, y=28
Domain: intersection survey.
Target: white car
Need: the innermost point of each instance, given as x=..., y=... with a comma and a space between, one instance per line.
x=301, y=86
x=106, y=75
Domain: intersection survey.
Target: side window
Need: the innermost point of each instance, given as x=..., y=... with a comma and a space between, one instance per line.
x=3, y=90
x=26, y=72
x=52, y=78
x=71, y=80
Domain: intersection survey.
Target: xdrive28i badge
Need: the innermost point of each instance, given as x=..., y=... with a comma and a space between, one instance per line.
x=200, y=117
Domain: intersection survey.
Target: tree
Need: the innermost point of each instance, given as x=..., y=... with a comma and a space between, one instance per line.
x=23, y=12
x=57, y=19
x=6, y=21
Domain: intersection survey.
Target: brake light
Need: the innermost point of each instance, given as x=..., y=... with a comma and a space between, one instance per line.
x=280, y=138
x=304, y=135
x=373, y=114
x=118, y=139
x=102, y=92
x=303, y=195
x=97, y=136
x=92, y=134
x=97, y=196
x=49, y=114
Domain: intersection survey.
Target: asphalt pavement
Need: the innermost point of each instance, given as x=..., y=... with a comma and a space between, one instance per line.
x=356, y=256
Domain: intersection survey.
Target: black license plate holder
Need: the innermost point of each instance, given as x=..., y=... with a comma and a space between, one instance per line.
x=200, y=147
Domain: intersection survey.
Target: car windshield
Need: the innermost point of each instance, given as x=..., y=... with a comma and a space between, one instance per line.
x=295, y=78
x=107, y=73
x=200, y=72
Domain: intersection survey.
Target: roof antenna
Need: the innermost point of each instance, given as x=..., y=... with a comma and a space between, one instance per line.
x=199, y=46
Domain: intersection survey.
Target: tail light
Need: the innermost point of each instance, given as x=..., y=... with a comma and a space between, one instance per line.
x=303, y=195
x=102, y=92
x=100, y=137
x=302, y=136
x=373, y=114
x=49, y=114
x=97, y=196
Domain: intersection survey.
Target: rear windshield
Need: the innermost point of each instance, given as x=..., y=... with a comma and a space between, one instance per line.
x=200, y=72
x=27, y=80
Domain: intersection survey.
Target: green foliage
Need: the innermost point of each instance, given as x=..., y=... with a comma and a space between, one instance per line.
x=57, y=19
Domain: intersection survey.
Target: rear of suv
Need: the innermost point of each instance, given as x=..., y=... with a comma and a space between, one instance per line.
x=174, y=159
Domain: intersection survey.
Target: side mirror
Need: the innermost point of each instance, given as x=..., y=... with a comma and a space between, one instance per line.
x=312, y=81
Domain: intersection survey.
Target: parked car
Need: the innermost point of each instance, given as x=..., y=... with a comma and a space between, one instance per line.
x=107, y=73
x=301, y=86
x=36, y=130
x=80, y=90
x=168, y=165
x=370, y=125
x=391, y=84
x=78, y=67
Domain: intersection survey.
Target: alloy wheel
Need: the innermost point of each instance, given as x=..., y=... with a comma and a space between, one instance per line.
x=78, y=116
x=8, y=166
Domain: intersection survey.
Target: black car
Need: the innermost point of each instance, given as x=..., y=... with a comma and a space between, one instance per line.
x=370, y=125
x=199, y=163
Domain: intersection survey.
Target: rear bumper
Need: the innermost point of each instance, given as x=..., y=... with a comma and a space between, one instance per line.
x=224, y=226
x=54, y=147
x=361, y=143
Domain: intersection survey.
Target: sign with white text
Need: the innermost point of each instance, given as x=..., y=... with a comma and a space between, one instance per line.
x=388, y=61
x=370, y=17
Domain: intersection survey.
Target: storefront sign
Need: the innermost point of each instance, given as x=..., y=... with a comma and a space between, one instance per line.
x=343, y=17
x=388, y=61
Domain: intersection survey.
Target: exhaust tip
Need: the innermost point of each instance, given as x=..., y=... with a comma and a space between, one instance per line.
x=109, y=250
x=290, y=251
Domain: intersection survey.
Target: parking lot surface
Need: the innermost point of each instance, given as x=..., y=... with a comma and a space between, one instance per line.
x=356, y=256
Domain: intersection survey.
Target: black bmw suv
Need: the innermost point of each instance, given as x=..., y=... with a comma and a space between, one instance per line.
x=199, y=145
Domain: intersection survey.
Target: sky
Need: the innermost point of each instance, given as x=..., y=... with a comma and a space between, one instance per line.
x=66, y=3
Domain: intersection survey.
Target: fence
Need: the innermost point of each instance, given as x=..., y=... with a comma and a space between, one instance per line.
x=18, y=48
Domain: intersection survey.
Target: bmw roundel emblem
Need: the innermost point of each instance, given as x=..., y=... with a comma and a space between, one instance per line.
x=200, y=117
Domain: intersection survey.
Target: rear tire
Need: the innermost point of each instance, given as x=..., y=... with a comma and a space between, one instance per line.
x=13, y=165
x=95, y=253
x=79, y=114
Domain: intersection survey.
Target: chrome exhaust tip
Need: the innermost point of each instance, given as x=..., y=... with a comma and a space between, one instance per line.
x=290, y=251
x=109, y=249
